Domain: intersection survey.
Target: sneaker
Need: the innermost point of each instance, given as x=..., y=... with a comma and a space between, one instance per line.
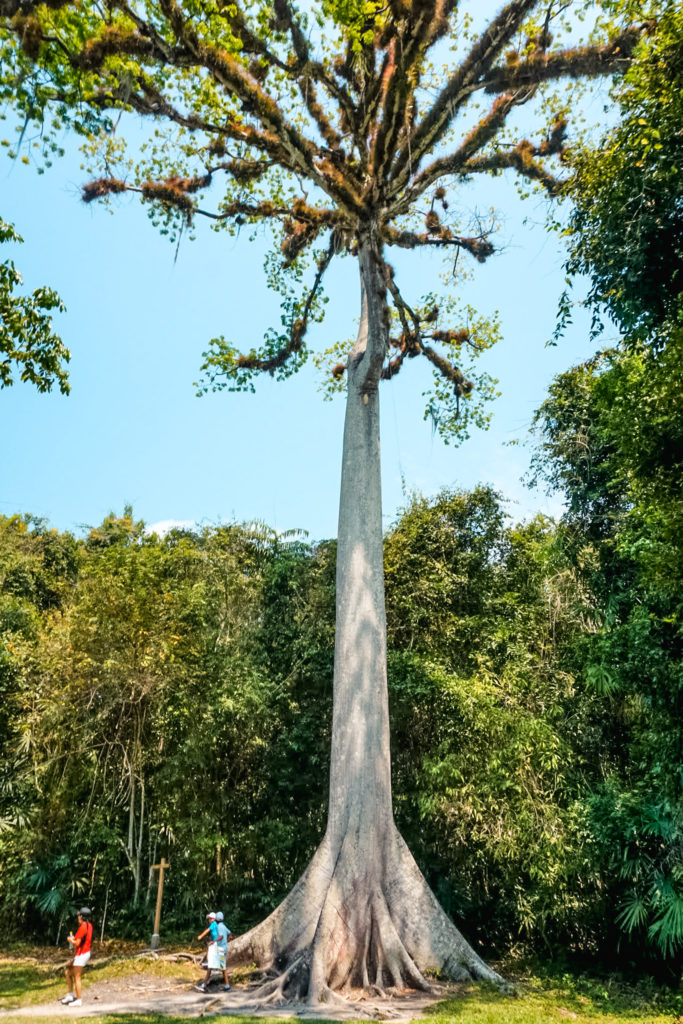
x=226, y=988
x=76, y=1002
x=68, y=998
x=200, y=988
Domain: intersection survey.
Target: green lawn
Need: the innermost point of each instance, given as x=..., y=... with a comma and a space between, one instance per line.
x=540, y=997
x=23, y=982
x=26, y=980
x=537, y=1001
x=129, y=1018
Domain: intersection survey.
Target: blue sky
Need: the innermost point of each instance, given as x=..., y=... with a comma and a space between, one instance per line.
x=137, y=321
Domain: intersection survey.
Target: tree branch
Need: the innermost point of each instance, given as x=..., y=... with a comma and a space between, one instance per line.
x=447, y=370
x=481, y=134
x=405, y=51
x=408, y=341
x=464, y=80
x=588, y=61
x=284, y=12
x=308, y=158
x=411, y=341
x=520, y=159
x=297, y=329
x=8, y=8
x=300, y=153
x=251, y=42
x=479, y=247
x=176, y=192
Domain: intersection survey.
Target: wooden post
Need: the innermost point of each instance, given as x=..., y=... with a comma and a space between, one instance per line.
x=161, y=867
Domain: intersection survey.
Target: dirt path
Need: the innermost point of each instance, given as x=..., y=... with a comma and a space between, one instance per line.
x=145, y=993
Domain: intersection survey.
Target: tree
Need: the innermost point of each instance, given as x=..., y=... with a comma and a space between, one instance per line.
x=331, y=126
x=612, y=440
x=626, y=226
x=26, y=335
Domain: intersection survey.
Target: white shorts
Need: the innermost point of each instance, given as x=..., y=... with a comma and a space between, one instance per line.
x=81, y=960
x=213, y=962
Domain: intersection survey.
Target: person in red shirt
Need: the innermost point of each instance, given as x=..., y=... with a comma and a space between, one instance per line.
x=81, y=943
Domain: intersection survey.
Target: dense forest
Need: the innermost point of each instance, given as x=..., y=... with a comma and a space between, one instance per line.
x=171, y=696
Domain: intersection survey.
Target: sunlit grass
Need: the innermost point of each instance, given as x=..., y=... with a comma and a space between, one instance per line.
x=539, y=997
x=121, y=1018
x=24, y=982
x=484, y=1006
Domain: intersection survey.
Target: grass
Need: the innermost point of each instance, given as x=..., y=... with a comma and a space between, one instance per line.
x=541, y=1001
x=542, y=996
x=27, y=980
x=121, y=1018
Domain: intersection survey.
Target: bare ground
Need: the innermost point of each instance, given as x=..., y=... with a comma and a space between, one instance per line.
x=147, y=993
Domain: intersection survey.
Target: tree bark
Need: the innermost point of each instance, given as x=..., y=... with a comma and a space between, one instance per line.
x=362, y=914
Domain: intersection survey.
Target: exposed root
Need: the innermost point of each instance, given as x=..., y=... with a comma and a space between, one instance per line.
x=329, y=997
x=294, y=979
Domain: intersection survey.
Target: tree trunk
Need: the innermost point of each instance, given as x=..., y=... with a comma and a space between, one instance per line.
x=138, y=856
x=362, y=914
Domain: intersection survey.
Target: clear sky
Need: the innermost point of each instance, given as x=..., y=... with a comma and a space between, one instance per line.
x=137, y=321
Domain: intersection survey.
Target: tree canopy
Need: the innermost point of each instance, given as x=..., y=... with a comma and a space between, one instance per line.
x=626, y=225
x=316, y=122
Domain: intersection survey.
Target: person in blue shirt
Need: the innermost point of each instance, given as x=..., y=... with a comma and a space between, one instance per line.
x=212, y=955
x=222, y=943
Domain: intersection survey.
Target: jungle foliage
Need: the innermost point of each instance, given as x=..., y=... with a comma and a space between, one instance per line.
x=173, y=696
x=610, y=437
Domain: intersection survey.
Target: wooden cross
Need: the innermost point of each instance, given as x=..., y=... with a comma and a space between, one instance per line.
x=161, y=867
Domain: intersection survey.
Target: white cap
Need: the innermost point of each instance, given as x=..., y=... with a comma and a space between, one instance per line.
x=211, y=914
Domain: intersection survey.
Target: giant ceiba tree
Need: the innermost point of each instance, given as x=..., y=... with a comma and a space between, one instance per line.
x=347, y=126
